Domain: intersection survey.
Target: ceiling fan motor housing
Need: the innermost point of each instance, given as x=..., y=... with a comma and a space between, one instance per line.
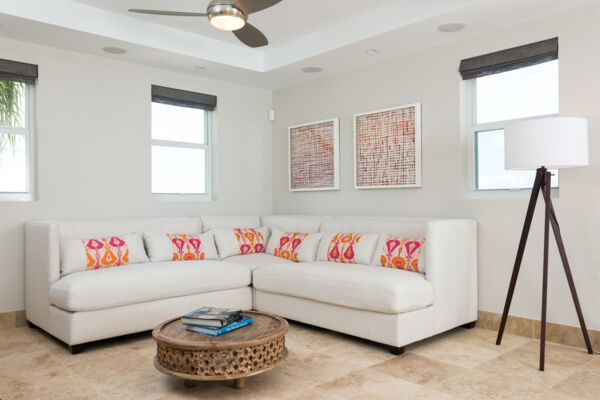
x=225, y=16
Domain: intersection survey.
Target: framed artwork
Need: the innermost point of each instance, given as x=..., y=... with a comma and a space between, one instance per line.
x=387, y=148
x=314, y=159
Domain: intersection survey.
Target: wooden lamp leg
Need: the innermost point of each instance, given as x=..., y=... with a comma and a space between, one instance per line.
x=567, y=268
x=546, y=191
x=543, y=183
x=539, y=178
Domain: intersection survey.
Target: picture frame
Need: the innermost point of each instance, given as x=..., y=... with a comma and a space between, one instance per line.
x=314, y=156
x=393, y=160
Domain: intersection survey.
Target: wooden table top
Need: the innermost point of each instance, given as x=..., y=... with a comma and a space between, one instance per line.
x=265, y=328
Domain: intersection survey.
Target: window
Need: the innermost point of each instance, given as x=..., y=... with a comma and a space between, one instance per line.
x=181, y=147
x=502, y=99
x=179, y=150
x=504, y=90
x=16, y=141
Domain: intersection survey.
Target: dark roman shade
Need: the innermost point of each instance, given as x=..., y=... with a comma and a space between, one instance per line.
x=506, y=60
x=18, y=71
x=183, y=98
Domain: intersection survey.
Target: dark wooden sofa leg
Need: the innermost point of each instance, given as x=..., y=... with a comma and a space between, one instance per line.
x=470, y=325
x=397, y=350
x=76, y=348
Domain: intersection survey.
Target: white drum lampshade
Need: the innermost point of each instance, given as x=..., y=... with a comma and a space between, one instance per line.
x=555, y=142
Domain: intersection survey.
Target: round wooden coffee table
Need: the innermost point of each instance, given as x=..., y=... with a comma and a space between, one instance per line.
x=236, y=355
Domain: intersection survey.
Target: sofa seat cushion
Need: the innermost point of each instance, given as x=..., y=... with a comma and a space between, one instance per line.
x=256, y=260
x=357, y=286
x=131, y=284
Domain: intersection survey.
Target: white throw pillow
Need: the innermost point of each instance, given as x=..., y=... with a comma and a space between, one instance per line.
x=347, y=247
x=180, y=246
x=294, y=246
x=101, y=252
x=240, y=241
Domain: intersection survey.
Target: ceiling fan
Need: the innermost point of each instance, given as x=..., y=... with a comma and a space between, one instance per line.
x=228, y=15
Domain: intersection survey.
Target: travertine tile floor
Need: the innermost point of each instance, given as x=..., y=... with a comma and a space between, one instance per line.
x=461, y=364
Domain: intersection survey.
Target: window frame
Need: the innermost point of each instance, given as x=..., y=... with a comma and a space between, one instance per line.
x=207, y=146
x=29, y=132
x=474, y=128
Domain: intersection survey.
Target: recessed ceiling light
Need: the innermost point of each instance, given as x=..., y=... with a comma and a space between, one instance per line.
x=200, y=68
x=371, y=51
x=312, y=70
x=451, y=27
x=114, y=50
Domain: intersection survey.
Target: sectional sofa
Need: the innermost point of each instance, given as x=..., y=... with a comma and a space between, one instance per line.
x=391, y=306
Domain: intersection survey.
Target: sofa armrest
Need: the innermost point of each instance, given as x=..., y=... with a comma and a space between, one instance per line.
x=451, y=267
x=42, y=268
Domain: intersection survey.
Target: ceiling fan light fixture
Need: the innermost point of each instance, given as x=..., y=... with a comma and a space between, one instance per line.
x=227, y=22
x=226, y=17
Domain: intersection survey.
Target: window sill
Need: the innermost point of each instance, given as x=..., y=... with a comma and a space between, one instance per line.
x=16, y=197
x=181, y=197
x=503, y=194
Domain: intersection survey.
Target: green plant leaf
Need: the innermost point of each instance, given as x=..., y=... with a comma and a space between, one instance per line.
x=11, y=112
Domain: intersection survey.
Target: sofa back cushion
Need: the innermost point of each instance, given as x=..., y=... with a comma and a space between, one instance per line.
x=101, y=252
x=399, y=252
x=400, y=226
x=291, y=223
x=180, y=246
x=212, y=222
x=241, y=241
x=294, y=246
x=347, y=247
x=78, y=229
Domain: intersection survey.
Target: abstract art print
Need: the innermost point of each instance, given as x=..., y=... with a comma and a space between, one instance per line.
x=387, y=148
x=314, y=156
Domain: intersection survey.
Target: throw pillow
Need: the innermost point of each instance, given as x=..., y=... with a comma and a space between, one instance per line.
x=180, y=246
x=294, y=246
x=240, y=241
x=101, y=252
x=347, y=247
x=400, y=252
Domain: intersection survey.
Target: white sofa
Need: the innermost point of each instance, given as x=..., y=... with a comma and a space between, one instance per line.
x=389, y=306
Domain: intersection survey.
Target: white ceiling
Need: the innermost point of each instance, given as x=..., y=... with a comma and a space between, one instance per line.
x=331, y=34
x=288, y=20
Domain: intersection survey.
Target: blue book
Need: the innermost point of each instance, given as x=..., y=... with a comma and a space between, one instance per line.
x=211, y=330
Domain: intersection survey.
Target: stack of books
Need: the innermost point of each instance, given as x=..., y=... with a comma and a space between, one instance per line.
x=215, y=321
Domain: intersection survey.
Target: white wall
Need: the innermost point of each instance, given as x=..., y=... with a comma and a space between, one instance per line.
x=93, y=125
x=431, y=77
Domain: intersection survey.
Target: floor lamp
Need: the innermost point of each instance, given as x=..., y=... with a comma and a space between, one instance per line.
x=542, y=144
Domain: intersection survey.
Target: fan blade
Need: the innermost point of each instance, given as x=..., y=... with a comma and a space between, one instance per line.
x=171, y=13
x=252, y=6
x=251, y=36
